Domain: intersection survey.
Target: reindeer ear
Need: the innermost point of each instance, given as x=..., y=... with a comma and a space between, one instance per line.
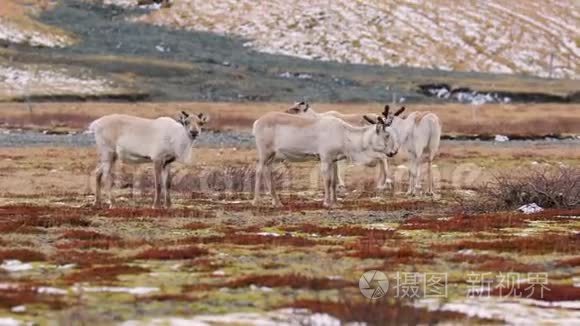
x=399, y=111
x=203, y=118
x=307, y=107
x=369, y=120
x=184, y=114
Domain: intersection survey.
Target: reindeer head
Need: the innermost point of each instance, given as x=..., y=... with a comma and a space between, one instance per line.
x=390, y=117
x=192, y=122
x=299, y=108
x=387, y=140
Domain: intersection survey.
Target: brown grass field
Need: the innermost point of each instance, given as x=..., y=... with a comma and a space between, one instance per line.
x=513, y=119
x=213, y=253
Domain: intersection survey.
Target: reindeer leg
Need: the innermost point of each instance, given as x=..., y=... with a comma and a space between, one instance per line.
x=334, y=183
x=412, y=177
x=98, y=184
x=108, y=172
x=340, y=179
x=166, y=183
x=418, y=186
x=270, y=184
x=157, y=170
x=259, y=171
x=326, y=170
x=430, y=176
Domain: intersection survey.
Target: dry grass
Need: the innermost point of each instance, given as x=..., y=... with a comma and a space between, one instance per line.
x=103, y=274
x=547, y=243
x=547, y=187
x=512, y=119
x=378, y=312
x=295, y=281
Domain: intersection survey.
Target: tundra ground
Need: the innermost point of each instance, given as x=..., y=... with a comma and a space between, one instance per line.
x=215, y=254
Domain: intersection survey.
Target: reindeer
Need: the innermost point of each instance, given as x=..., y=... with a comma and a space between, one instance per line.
x=138, y=140
x=282, y=136
x=419, y=135
x=303, y=108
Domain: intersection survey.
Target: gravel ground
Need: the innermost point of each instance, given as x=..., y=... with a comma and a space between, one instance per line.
x=36, y=139
x=220, y=139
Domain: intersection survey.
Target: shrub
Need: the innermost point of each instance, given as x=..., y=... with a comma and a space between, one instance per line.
x=547, y=187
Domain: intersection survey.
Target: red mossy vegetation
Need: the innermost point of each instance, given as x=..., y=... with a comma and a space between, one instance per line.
x=141, y=212
x=491, y=263
x=341, y=230
x=538, y=244
x=248, y=239
x=378, y=312
x=374, y=246
x=84, y=258
x=544, y=292
x=167, y=297
x=187, y=252
x=25, y=255
x=103, y=244
x=500, y=264
x=466, y=223
x=570, y=262
x=81, y=234
x=103, y=274
x=204, y=264
x=295, y=281
x=28, y=295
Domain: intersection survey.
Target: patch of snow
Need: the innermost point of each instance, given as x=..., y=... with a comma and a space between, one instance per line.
x=501, y=138
x=18, y=309
x=511, y=310
x=23, y=81
x=530, y=208
x=260, y=288
x=14, y=33
x=268, y=234
x=219, y=273
x=67, y=266
x=51, y=290
x=113, y=289
x=282, y=317
x=13, y=265
x=7, y=321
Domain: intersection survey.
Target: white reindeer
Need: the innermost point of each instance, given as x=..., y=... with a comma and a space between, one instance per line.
x=303, y=108
x=282, y=136
x=138, y=140
x=419, y=135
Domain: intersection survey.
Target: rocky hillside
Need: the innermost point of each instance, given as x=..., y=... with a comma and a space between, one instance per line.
x=537, y=37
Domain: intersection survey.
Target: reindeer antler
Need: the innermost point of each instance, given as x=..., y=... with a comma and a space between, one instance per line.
x=369, y=120
x=400, y=111
x=386, y=111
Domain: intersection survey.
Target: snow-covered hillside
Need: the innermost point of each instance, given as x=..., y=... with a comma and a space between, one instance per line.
x=538, y=37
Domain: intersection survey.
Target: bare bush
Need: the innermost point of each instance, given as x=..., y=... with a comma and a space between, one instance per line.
x=223, y=179
x=548, y=187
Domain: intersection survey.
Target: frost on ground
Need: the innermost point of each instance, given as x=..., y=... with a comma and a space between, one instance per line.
x=278, y=317
x=538, y=37
x=512, y=311
x=20, y=82
x=15, y=33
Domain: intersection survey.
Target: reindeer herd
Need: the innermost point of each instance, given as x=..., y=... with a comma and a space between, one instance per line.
x=298, y=134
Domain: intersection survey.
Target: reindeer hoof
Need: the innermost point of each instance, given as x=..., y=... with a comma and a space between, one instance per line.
x=429, y=194
x=277, y=204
